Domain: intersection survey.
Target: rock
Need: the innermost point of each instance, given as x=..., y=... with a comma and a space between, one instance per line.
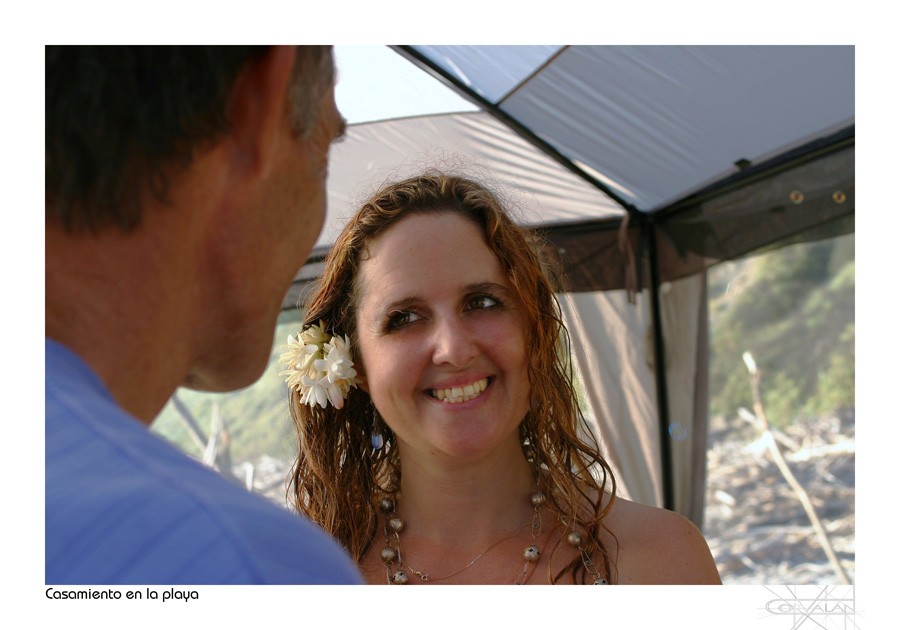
x=766, y=537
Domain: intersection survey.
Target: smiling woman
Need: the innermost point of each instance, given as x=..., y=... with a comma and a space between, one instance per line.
x=431, y=330
x=459, y=458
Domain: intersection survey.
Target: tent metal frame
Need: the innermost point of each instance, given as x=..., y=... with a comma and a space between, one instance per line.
x=667, y=234
x=648, y=238
x=648, y=224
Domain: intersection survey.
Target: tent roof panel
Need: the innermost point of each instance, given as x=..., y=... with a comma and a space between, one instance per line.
x=658, y=122
x=474, y=143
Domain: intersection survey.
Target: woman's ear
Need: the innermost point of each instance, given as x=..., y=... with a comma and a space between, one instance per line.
x=362, y=381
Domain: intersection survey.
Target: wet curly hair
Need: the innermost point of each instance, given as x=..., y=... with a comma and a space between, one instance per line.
x=337, y=474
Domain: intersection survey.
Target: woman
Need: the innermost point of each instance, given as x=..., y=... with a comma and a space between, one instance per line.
x=438, y=425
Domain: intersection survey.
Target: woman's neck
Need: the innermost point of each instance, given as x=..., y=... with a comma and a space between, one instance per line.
x=467, y=504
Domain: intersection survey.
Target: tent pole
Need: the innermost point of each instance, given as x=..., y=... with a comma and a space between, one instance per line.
x=659, y=363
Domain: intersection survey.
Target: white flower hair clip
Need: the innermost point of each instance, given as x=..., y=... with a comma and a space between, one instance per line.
x=319, y=366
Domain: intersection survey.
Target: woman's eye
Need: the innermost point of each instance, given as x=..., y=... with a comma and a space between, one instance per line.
x=399, y=319
x=480, y=302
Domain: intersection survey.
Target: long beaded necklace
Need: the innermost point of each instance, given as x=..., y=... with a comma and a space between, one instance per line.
x=392, y=558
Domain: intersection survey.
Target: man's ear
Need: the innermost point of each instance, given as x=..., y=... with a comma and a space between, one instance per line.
x=258, y=109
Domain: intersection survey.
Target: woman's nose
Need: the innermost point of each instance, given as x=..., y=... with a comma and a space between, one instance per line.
x=454, y=343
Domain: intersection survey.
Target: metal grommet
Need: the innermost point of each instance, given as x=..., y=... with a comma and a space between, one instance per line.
x=839, y=196
x=796, y=197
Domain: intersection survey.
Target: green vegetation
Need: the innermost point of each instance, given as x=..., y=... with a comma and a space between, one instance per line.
x=793, y=309
x=257, y=417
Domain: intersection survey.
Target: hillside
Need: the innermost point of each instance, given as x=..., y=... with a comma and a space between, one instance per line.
x=793, y=309
x=257, y=417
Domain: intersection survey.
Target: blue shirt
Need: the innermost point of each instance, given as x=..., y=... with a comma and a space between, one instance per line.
x=125, y=507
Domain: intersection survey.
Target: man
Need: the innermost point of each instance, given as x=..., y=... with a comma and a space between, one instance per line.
x=185, y=186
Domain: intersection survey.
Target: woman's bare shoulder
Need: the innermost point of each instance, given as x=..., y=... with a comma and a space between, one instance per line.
x=657, y=546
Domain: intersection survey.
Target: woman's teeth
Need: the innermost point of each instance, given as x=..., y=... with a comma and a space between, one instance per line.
x=455, y=395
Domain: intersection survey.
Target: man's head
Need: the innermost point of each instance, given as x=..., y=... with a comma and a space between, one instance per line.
x=266, y=228
x=185, y=186
x=122, y=120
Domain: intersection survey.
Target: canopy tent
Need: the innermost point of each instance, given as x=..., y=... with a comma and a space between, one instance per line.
x=643, y=166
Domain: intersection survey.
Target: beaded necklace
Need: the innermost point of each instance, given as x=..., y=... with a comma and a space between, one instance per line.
x=392, y=558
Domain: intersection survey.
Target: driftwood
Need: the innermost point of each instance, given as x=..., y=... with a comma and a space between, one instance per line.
x=762, y=422
x=216, y=449
x=193, y=428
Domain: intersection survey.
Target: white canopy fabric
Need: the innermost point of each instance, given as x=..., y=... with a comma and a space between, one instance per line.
x=710, y=152
x=658, y=122
x=373, y=153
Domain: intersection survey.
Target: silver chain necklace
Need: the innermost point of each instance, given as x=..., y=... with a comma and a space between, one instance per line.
x=391, y=554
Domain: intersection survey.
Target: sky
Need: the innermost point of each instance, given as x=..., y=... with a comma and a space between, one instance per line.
x=363, y=96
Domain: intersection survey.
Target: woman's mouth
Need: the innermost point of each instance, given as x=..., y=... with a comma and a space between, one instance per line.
x=455, y=395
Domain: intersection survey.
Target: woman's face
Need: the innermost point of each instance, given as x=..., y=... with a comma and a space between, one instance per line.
x=442, y=338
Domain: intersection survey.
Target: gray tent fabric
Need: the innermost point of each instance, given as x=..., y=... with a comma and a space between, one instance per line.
x=657, y=122
x=612, y=346
x=614, y=367
x=643, y=166
x=373, y=153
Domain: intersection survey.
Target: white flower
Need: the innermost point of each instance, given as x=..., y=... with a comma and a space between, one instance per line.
x=319, y=367
x=313, y=392
x=298, y=359
x=337, y=363
x=315, y=334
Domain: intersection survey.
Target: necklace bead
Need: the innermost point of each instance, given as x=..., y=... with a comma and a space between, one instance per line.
x=388, y=554
x=400, y=577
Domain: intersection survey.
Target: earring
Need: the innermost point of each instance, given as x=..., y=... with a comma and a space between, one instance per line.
x=377, y=437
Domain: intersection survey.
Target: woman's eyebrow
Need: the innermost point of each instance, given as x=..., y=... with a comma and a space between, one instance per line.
x=487, y=287
x=401, y=304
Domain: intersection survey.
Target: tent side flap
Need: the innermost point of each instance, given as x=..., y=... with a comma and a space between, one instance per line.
x=790, y=201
